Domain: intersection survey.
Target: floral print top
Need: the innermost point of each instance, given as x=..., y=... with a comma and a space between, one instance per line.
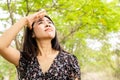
x=64, y=67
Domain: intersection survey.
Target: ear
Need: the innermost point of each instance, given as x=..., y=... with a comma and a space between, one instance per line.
x=33, y=35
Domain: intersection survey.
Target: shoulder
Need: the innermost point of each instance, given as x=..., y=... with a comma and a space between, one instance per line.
x=25, y=56
x=68, y=57
x=72, y=64
x=24, y=59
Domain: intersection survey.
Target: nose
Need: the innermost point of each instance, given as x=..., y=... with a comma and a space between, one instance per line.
x=47, y=25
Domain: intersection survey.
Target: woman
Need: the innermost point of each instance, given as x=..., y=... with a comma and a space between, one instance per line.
x=42, y=57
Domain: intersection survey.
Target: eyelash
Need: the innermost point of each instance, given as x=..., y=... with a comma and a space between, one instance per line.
x=40, y=22
x=50, y=22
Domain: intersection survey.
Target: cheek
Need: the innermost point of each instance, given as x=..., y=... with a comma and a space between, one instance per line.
x=38, y=28
x=37, y=31
x=53, y=27
x=54, y=33
x=54, y=30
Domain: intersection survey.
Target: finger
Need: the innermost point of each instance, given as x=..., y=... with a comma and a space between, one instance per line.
x=35, y=17
x=39, y=15
x=42, y=14
x=30, y=26
x=42, y=11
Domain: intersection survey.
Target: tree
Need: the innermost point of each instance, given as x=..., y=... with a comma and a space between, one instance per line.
x=75, y=21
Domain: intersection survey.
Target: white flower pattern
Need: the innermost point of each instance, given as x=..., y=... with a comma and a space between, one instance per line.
x=64, y=67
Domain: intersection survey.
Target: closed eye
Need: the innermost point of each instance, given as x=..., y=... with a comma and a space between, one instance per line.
x=50, y=22
x=40, y=22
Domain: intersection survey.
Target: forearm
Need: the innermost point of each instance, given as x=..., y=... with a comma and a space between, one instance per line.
x=10, y=34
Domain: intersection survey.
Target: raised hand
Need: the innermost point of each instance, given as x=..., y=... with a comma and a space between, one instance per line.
x=34, y=17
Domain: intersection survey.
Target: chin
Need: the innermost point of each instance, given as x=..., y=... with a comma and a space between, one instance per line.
x=49, y=37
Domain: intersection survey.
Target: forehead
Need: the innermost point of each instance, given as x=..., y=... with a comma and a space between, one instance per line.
x=44, y=18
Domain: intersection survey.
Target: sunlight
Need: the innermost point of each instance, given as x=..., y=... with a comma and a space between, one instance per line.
x=108, y=1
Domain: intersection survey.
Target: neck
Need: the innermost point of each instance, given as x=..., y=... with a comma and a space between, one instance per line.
x=45, y=47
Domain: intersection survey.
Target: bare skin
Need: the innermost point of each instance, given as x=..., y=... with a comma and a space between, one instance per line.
x=44, y=32
x=6, y=51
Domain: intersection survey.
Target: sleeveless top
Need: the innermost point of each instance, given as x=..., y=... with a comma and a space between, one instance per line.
x=64, y=67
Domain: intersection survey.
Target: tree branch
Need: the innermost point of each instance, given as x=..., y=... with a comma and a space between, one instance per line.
x=12, y=20
x=27, y=7
x=10, y=11
x=72, y=32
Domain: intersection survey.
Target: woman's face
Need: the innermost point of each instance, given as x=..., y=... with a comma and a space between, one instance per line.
x=44, y=29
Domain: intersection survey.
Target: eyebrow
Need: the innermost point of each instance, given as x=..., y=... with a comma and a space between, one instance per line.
x=43, y=20
x=39, y=20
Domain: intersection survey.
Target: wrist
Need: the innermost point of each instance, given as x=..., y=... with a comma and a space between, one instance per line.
x=24, y=20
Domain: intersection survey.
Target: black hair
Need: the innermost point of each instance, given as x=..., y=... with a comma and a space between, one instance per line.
x=30, y=47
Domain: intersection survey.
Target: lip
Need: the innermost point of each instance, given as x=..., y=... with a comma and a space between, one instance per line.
x=48, y=29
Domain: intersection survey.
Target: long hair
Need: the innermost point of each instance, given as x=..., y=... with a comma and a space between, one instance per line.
x=30, y=48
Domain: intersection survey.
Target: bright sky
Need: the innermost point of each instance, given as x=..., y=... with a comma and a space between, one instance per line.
x=114, y=40
x=3, y=14
x=94, y=44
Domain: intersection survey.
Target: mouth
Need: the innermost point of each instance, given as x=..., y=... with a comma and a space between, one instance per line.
x=48, y=29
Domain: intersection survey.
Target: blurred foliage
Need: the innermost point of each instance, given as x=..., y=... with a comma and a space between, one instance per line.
x=7, y=70
x=75, y=21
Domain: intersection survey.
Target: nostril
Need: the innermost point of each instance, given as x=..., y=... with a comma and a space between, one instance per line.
x=47, y=25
